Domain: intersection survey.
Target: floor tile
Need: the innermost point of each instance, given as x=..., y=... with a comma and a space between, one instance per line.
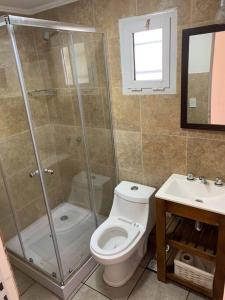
x=121, y=293
x=86, y=293
x=23, y=282
x=195, y=296
x=38, y=292
x=149, y=287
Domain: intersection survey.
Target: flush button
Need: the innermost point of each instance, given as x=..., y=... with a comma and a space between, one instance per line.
x=134, y=188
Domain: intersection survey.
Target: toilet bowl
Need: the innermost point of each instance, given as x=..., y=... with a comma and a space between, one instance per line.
x=120, y=243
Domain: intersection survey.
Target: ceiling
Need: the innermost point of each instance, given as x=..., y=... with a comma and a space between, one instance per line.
x=30, y=7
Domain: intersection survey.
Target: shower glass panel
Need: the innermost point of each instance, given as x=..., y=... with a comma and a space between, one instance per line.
x=54, y=105
x=89, y=52
x=25, y=198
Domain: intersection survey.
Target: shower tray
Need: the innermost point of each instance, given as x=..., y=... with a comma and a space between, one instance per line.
x=74, y=227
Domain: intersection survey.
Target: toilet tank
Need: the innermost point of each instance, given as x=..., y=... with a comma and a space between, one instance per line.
x=133, y=201
x=79, y=194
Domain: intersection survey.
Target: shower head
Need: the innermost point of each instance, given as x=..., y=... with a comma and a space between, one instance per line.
x=47, y=34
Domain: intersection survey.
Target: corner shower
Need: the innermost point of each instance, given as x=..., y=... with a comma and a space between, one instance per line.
x=57, y=167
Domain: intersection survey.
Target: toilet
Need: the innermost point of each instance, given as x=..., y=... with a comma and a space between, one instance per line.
x=120, y=243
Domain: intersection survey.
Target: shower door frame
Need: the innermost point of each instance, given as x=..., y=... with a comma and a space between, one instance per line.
x=73, y=280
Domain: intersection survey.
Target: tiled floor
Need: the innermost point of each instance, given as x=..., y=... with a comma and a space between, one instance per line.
x=142, y=286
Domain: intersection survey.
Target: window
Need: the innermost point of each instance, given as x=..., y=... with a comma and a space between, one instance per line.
x=148, y=53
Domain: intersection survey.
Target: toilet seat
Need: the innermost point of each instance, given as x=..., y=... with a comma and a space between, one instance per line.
x=114, y=236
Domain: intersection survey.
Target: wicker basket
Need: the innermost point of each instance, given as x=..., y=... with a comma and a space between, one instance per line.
x=201, y=272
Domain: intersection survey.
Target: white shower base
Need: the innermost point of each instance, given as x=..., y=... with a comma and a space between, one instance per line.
x=73, y=233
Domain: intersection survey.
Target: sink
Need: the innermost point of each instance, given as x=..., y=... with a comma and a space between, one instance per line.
x=193, y=193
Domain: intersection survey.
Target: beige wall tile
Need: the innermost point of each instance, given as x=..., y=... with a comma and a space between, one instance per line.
x=17, y=153
x=7, y=228
x=114, y=63
x=204, y=10
x=134, y=175
x=93, y=111
x=126, y=111
x=160, y=114
x=100, y=146
x=183, y=8
x=129, y=150
x=31, y=212
x=205, y=157
x=162, y=156
x=46, y=141
x=107, y=13
x=24, y=189
x=13, y=118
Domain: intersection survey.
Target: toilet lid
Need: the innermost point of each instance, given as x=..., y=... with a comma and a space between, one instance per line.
x=114, y=236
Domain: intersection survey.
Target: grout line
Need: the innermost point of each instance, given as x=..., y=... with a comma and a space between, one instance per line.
x=97, y=291
x=75, y=292
x=188, y=294
x=142, y=274
x=28, y=288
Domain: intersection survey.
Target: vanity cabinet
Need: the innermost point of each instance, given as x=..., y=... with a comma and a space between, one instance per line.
x=209, y=243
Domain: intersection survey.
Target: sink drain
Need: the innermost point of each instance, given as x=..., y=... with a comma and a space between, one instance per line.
x=199, y=200
x=64, y=218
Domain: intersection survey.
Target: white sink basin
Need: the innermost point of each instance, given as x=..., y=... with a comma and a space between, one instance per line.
x=193, y=193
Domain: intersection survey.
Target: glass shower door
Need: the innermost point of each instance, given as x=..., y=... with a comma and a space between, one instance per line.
x=20, y=165
x=60, y=140
x=90, y=67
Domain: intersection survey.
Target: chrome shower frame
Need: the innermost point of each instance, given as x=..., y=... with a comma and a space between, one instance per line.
x=65, y=287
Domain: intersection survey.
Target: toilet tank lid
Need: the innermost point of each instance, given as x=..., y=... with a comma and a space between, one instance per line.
x=134, y=192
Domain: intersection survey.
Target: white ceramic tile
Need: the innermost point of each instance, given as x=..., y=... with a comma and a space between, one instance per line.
x=121, y=293
x=38, y=292
x=86, y=293
x=149, y=287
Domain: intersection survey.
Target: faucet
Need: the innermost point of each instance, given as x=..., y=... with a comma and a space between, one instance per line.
x=203, y=180
x=218, y=181
x=190, y=176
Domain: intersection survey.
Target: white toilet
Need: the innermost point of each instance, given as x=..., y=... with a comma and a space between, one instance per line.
x=120, y=242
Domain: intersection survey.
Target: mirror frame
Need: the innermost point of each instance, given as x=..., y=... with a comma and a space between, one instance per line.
x=184, y=75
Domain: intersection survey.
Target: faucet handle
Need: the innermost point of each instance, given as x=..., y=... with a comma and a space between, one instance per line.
x=218, y=181
x=190, y=176
x=203, y=179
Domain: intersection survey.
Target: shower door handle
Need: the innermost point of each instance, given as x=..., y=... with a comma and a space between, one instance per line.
x=49, y=171
x=32, y=174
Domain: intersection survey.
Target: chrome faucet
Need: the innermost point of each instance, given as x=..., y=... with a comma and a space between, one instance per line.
x=190, y=176
x=203, y=180
x=218, y=181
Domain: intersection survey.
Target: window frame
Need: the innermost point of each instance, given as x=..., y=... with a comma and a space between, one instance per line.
x=167, y=20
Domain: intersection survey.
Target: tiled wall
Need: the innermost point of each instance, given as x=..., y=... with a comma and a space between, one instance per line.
x=198, y=87
x=149, y=142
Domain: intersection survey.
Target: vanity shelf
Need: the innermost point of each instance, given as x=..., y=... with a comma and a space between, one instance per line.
x=180, y=234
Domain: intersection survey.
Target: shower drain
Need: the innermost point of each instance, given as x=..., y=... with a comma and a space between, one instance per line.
x=64, y=218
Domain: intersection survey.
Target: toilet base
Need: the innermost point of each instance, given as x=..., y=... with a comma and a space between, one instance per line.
x=117, y=275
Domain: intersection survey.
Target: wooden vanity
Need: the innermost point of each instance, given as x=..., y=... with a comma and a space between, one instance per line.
x=209, y=243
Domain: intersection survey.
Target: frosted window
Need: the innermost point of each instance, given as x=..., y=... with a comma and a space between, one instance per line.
x=148, y=55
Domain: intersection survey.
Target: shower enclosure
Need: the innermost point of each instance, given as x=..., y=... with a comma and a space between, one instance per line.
x=57, y=168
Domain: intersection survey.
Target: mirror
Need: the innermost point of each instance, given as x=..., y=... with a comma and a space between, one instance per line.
x=203, y=78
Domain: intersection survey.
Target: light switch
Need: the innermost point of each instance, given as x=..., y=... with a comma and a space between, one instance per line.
x=192, y=102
